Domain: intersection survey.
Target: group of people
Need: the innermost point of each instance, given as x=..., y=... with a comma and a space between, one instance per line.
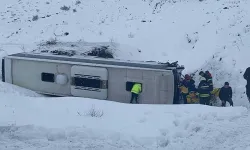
x=203, y=93
x=205, y=90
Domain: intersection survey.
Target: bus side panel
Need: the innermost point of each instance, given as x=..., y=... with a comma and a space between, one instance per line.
x=7, y=70
x=40, y=76
x=157, y=86
x=149, y=88
x=121, y=81
x=117, y=85
x=165, y=88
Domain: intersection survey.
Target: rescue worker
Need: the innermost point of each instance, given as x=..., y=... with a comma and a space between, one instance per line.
x=184, y=93
x=209, y=79
x=216, y=92
x=204, y=91
x=208, y=74
x=247, y=77
x=192, y=98
x=184, y=88
x=135, y=91
x=186, y=80
x=214, y=96
x=226, y=95
x=202, y=74
x=191, y=86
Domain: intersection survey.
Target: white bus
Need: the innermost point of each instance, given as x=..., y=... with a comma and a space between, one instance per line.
x=92, y=77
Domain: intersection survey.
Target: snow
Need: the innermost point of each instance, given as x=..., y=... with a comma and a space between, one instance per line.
x=210, y=35
x=17, y=91
x=75, y=123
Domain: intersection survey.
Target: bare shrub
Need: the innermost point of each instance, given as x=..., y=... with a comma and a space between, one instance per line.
x=188, y=38
x=131, y=35
x=65, y=8
x=78, y=2
x=52, y=41
x=35, y=18
x=103, y=52
x=163, y=143
x=93, y=112
x=247, y=29
x=63, y=52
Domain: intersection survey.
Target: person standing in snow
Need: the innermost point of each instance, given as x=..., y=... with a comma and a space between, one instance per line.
x=202, y=74
x=184, y=87
x=247, y=77
x=135, y=91
x=209, y=78
x=191, y=86
x=207, y=75
x=226, y=95
x=204, y=91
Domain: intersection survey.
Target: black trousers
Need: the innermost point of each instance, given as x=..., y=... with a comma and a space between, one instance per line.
x=248, y=91
x=134, y=96
x=205, y=100
x=227, y=100
x=184, y=96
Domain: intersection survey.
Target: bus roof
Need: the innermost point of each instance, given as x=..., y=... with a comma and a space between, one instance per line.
x=96, y=60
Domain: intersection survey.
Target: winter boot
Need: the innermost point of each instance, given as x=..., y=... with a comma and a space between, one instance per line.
x=223, y=104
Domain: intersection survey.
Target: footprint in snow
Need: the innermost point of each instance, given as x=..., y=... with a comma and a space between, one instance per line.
x=197, y=129
x=176, y=123
x=142, y=120
x=164, y=132
x=177, y=115
x=147, y=112
x=186, y=126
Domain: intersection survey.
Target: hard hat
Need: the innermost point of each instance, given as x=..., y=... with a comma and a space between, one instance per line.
x=201, y=72
x=187, y=76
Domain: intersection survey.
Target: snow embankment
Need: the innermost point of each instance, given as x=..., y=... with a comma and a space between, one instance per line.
x=78, y=123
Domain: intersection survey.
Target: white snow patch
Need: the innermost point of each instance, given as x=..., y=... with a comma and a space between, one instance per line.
x=45, y=123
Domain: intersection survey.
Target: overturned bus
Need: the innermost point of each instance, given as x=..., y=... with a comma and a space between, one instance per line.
x=91, y=77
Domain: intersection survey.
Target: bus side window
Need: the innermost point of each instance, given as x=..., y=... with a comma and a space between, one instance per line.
x=129, y=85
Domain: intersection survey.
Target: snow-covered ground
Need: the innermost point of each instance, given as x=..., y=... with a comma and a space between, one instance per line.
x=76, y=123
x=211, y=35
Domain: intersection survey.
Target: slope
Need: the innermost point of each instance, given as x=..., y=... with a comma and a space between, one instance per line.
x=77, y=123
x=213, y=34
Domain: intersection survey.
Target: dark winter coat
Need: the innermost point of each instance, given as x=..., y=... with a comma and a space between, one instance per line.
x=185, y=83
x=225, y=93
x=247, y=75
x=210, y=81
x=191, y=86
x=203, y=89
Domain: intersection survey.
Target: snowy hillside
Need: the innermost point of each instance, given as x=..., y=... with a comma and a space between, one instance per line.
x=201, y=34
